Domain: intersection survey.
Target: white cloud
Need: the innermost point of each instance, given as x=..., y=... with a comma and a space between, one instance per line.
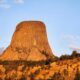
x=72, y=41
x=5, y=6
x=74, y=47
x=72, y=37
x=19, y=1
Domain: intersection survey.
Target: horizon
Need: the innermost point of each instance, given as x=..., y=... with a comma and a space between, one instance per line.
x=60, y=17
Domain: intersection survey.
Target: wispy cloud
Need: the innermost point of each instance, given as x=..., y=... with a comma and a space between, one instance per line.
x=5, y=6
x=72, y=41
x=19, y=1
x=74, y=47
x=71, y=37
x=4, y=3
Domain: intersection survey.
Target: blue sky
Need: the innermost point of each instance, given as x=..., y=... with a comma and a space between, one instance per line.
x=62, y=19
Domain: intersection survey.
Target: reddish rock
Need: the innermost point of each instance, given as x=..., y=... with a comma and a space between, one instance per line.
x=29, y=42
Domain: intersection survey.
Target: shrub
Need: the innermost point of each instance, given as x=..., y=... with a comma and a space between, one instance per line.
x=77, y=76
x=64, y=57
x=23, y=78
x=75, y=54
x=32, y=76
x=65, y=72
x=57, y=76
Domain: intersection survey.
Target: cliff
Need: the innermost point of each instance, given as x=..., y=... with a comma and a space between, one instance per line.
x=29, y=42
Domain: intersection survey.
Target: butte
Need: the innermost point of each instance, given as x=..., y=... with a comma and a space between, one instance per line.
x=29, y=42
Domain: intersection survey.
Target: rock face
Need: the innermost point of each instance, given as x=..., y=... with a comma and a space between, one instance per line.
x=29, y=42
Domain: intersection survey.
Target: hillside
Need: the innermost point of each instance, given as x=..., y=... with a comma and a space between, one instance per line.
x=57, y=70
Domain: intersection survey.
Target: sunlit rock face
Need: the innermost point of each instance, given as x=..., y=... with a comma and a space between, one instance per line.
x=29, y=42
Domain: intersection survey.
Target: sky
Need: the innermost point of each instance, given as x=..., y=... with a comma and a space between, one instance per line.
x=61, y=17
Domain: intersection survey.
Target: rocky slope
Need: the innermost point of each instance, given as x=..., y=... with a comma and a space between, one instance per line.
x=57, y=70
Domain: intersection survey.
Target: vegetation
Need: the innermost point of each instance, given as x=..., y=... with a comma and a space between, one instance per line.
x=44, y=70
x=77, y=76
x=65, y=72
x=64, y=57
x=57, y=76
x=23, y=78
x=74, y=54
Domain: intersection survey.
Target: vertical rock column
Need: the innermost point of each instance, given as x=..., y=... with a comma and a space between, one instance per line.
x=29, y=42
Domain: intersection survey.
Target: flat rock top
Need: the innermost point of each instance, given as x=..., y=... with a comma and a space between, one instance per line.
x=31, y=24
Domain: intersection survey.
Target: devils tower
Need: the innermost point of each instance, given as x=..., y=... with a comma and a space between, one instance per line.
x=29, y=42
x=29, y=57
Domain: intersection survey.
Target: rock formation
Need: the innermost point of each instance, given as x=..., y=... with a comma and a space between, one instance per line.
x=29, y=42
x=29, y=54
